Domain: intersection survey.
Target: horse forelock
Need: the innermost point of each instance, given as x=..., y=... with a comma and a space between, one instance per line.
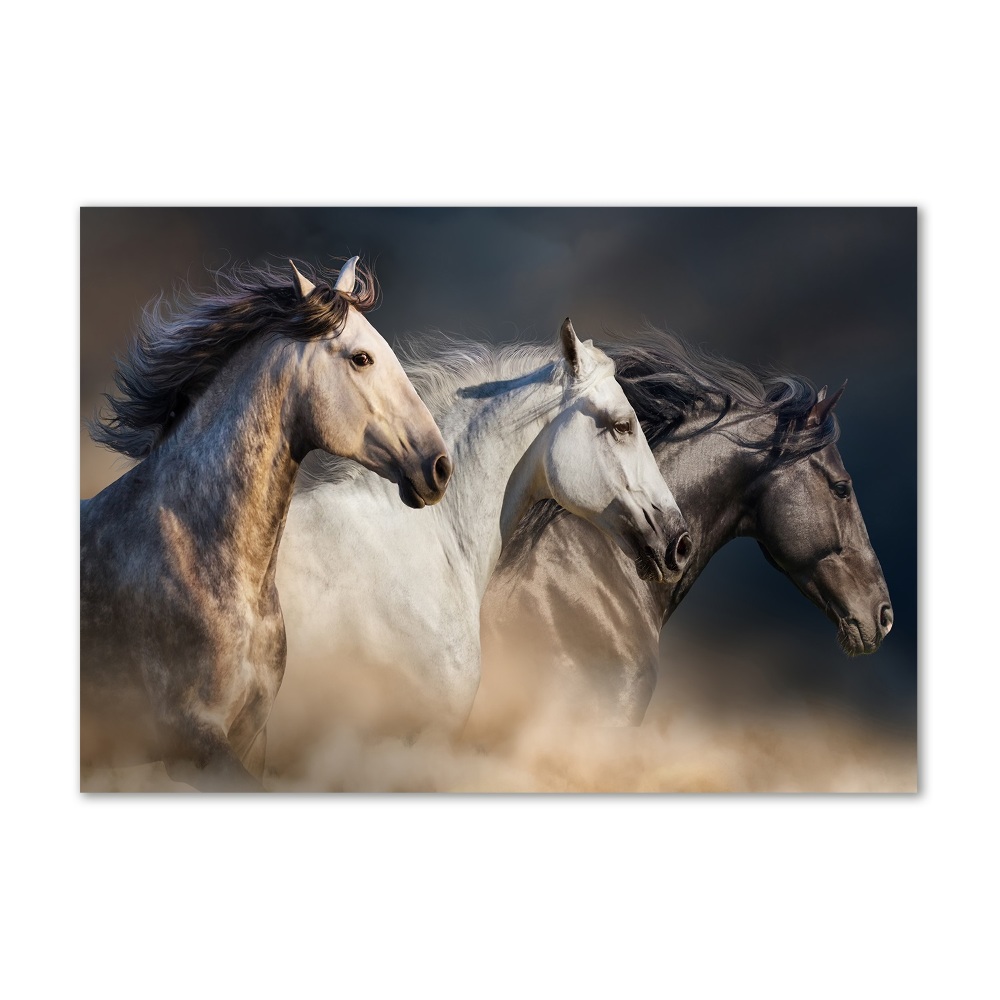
x=182, y=342
x=793, y=437
x=602, y=368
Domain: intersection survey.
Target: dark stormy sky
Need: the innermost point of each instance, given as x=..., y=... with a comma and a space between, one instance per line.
x=826, y=293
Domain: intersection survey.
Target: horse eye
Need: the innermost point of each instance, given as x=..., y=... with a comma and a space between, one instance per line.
x=623, y=427
x=843, y=490
x=362, y=359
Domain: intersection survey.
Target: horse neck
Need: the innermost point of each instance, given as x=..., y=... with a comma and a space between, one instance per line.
x=491, y=483
x=229, y=468
x=712, y=478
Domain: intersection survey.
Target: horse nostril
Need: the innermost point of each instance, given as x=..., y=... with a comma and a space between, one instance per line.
x=678, y=554
x=885, y=617
x=684, y=547
x=442, y=471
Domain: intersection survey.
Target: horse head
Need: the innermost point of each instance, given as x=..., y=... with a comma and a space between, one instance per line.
x=598, y=465
x=809, y=526
x=358, y=401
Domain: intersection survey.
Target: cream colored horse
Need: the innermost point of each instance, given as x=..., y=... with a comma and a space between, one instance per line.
x=182, y=643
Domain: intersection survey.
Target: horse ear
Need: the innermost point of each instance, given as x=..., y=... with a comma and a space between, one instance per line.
x=571, y=346
x=347, y=279
x=302, y=284
x=823, y=405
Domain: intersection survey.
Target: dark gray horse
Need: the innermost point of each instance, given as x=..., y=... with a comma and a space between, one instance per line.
x=182, y=644
x=746, y=455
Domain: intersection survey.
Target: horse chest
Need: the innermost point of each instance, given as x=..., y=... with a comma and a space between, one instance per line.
x=256, y=661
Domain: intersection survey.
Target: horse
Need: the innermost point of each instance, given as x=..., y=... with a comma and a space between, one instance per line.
x=747, y=454
x=522, y=425
x=222, y=396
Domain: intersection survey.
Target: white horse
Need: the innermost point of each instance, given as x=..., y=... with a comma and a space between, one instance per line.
x=366, y=587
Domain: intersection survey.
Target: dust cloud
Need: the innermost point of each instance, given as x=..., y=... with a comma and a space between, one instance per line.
x=336, y=736
x=719, y=721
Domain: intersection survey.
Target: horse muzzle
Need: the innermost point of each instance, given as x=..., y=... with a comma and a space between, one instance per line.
x=857, y=638
x=429, y=485
x=663, y=550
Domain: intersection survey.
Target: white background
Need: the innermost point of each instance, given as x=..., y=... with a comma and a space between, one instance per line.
x=521, y=103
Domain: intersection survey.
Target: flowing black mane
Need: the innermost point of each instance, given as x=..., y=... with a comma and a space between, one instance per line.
x=668, y=380
x=183, y=343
